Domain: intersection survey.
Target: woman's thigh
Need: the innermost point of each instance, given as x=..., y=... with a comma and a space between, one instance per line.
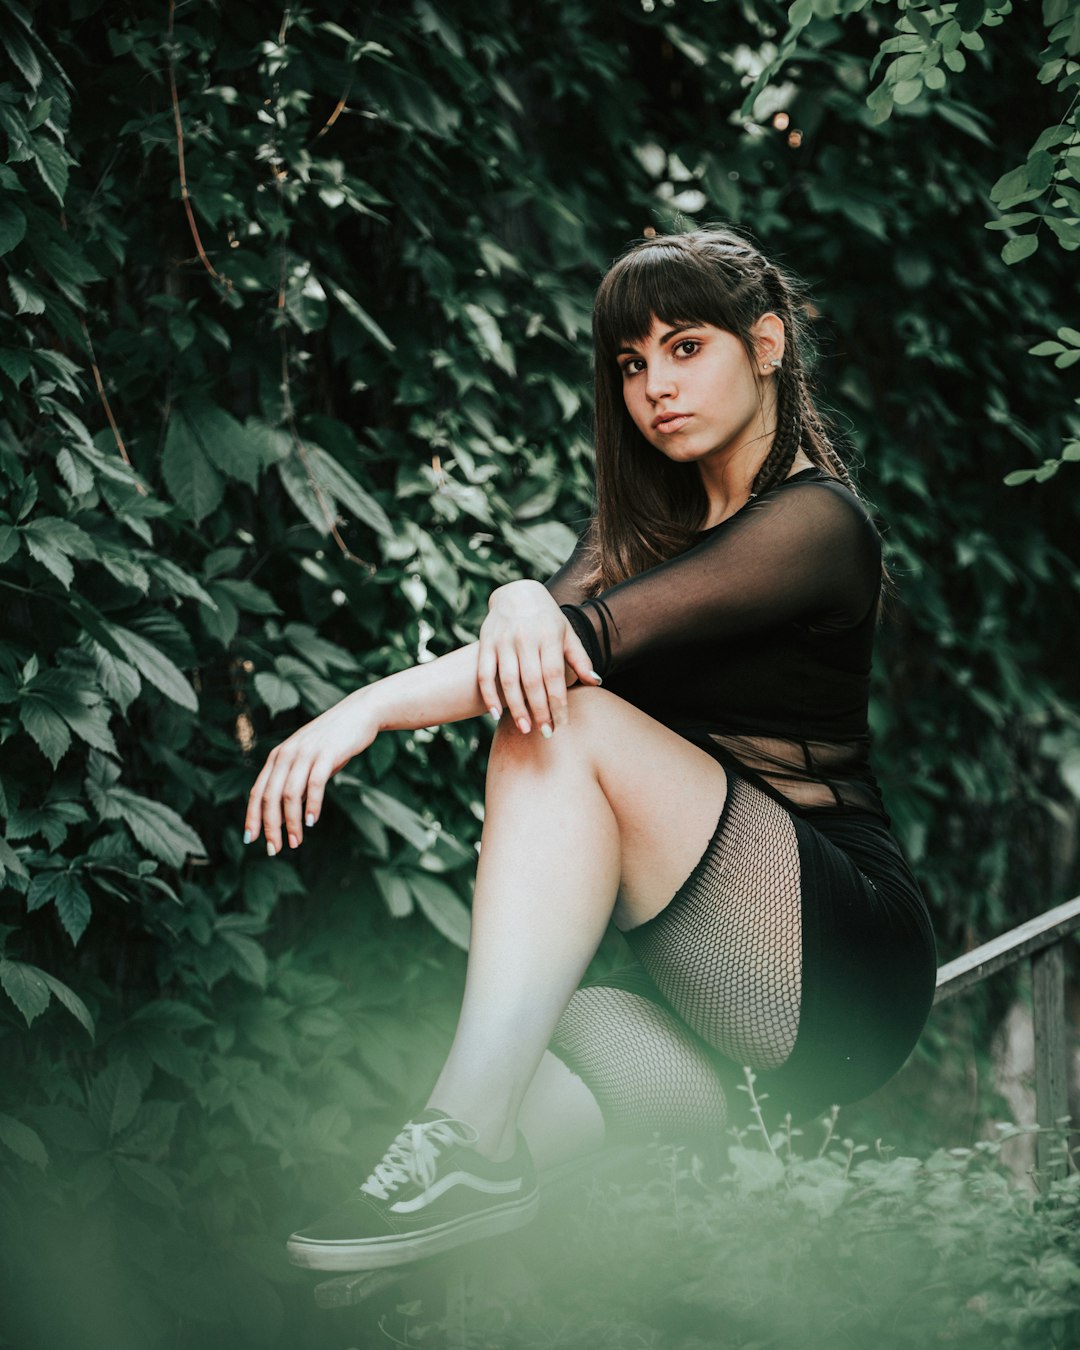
x=666, y=794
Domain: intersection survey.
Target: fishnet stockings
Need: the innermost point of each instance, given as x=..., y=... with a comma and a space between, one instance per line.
x=726, y=954
x=645, y=1069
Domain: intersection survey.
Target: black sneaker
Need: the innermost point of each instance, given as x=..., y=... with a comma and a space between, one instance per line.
x=430, y=1192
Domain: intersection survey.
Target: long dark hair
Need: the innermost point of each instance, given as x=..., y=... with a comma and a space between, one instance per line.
x=649, y=508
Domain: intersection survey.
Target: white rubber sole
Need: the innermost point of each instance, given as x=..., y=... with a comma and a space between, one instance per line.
x=399, y=1249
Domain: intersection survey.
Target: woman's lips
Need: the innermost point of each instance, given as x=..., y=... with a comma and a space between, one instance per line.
x=670, y=422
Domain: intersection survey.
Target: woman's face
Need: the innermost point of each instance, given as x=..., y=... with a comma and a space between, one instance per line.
x=693, y=393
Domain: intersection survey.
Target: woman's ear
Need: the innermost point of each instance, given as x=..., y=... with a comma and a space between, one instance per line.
x=768, y=335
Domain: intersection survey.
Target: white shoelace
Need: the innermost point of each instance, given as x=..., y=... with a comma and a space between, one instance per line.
x=412, y=1155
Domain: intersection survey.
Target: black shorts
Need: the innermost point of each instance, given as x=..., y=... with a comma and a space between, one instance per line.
x=869, y=963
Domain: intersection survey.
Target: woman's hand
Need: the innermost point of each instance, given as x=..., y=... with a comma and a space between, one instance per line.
x=294, y=777
x=528, y=646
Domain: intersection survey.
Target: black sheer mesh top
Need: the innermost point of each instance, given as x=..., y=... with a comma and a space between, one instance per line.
x=756, y=642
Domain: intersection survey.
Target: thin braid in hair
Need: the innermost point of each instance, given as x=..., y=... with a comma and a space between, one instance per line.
x=788, y=435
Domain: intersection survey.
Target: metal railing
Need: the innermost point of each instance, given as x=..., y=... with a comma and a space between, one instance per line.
x=1042, y=939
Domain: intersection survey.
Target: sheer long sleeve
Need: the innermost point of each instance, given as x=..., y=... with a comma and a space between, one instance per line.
x=568, y=583
x=807, y=552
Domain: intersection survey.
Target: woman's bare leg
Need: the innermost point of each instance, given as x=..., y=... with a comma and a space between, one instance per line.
x=608, y=816
x=559, y=1116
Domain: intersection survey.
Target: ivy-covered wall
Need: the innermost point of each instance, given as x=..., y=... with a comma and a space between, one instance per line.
x=294, y=371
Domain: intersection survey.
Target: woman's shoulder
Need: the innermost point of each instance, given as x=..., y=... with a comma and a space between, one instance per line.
x=836, y=498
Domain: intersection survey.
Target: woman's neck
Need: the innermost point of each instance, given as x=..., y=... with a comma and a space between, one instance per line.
x=730, y=489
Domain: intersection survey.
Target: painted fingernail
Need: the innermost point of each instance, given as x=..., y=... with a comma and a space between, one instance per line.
x=523, y=726
x=309, y=820
x=593, y=676
x=494, y=713
x=247, y=836
x=292, y=840
x=546, y=732
x=270, y=849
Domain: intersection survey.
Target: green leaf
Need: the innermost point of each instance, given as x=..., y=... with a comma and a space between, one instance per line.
x=1018, y=476
x=193, y=482
x=401, y=818
x=278, y=694
x=920, y=23
x=271, y=444
x=755, y=1170
x=75, y=473
x=46, y=726
x=23, y=57
x=1010, y=184
x=395, y=892
x=1046, y=349
x=224, y=441
x=72, y=905
x=1069, y=335
x=23, y=1142
x=906, y=91
x=70, y=1000
x=970, y=13
x=115, y=1097
x=1016, y=250
x=251, y=963
x=25, y=986
x=52, y=163
x=54, y=542
x=147, y=1182
x=442, y=907
x=356, y=311
x=117, y=678
x=247, y=596
x=12, y=226
x=154, y=666
x=341, y=485
x=1040, y=170
x=1010, y=221
x=491, y=338
x=157, y=827
x=10, y=862
x=9, y=542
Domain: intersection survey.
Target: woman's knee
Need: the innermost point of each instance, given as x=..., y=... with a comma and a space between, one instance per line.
x=587, y=706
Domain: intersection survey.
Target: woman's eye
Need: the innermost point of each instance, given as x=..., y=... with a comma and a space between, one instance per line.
x=687, y=346
x=633, y=366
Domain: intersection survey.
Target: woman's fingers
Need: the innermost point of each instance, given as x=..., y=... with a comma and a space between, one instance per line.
x=293, y=796
x=510, y=679
x=554, y=671
x=253, y=817
x=487, y=666
x=318, y=778
x=533, y=682
x=272, y=800
x=577, y=658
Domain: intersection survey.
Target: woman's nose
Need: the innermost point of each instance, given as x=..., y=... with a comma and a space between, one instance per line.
x=659, y=382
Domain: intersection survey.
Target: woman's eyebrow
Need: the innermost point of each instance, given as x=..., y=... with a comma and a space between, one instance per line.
x=665, y=338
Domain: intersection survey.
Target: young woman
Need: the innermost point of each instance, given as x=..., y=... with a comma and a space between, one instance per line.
x=681, y=748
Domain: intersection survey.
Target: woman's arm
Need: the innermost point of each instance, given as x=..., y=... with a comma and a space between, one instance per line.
x=292, y=782
x=806, y=552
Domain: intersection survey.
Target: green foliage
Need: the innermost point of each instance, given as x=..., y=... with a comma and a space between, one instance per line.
x=256, y=455
x=815, y=1241
x=932, y=44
